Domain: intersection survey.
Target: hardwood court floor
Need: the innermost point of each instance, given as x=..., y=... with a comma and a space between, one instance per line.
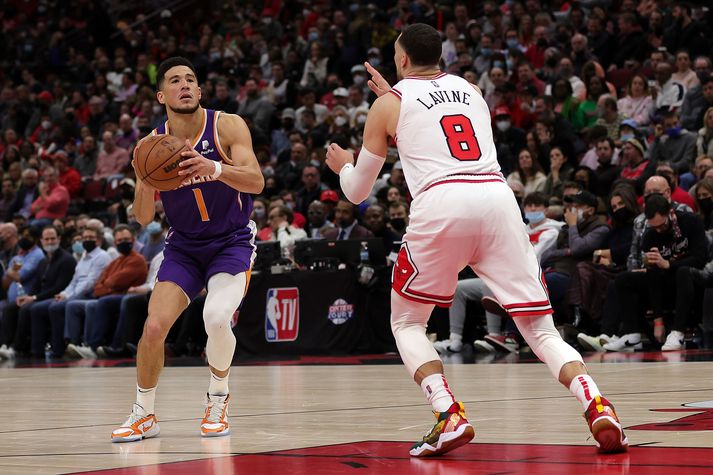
x=335, y=419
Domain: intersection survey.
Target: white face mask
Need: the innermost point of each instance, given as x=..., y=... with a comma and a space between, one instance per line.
x=503, y=125
x=157, y=109
x=580, y=215
x=340, y=121
x=359, y=79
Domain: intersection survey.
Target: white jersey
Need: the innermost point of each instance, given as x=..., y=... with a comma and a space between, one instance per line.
x=443, y=130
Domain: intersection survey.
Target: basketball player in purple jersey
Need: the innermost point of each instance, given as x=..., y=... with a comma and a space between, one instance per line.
x=210, y=244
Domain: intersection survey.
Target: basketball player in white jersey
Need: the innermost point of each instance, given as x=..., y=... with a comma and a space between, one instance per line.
x=463, y=213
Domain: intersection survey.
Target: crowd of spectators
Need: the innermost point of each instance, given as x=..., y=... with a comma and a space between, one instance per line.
x=595, y=104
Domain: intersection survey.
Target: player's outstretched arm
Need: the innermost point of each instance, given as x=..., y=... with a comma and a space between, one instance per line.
x=377, y=83
x=357, y=182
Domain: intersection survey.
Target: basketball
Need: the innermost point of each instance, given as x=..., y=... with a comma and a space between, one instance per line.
x=157, y=160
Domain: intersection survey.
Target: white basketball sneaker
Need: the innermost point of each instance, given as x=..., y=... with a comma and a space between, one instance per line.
x=674, y=341
x=445, y=347
x=138, y=426
x=215, y=421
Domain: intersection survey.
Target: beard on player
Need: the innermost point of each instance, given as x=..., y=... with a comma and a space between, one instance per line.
x=187, y=110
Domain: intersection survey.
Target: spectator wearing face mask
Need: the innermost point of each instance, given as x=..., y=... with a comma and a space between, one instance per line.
x=584, y=232
x=673, y=144
x=515, y=137
x=55, y=272
x=156, y=239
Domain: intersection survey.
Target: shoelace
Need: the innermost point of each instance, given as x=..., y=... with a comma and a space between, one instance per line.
x=134, y=416
x=215, y=411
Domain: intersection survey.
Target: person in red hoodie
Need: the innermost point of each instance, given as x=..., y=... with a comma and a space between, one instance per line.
x=53, y=200
x=69, y=177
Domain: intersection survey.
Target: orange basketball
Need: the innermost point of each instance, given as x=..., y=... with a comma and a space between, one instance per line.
x=157, y=159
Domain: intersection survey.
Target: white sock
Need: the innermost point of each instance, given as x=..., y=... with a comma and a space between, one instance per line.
x=145, y=398
x=435, y=388
x=455, y=337
x=584, y=389
x=218, y=386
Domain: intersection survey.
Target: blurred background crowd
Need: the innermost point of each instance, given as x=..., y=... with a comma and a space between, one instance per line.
x=596, y=105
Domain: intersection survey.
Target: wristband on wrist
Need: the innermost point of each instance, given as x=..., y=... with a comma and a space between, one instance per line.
x=218, y=170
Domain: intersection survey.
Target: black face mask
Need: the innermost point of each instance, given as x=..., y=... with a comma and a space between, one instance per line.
x=125, y=247
x=706, y=205
x=127, y=195
x=621, y=216
x=26, y=244
x=398, y=224
x=89, y=246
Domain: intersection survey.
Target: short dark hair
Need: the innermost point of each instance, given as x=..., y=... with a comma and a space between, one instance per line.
x=607, y=140
x=34, y=231
x=656, y=204
x=422, y=43
x=171, y=63
x=51, y=226
x=124, y=227
x=536, y=198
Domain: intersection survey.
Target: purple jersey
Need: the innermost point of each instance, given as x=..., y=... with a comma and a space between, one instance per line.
x=206, y=208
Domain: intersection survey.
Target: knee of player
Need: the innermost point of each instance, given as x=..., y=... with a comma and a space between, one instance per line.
x=216, y=320
x=156, y=329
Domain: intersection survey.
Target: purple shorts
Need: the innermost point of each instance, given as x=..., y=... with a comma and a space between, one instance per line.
x=190, y=262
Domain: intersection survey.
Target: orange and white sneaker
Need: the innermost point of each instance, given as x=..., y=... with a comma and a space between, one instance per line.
x=605, y=426
x=215, y=421
x=138, y=426
x=451, y=431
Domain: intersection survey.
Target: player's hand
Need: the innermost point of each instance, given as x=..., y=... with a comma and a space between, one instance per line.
x=194, y=164
x=337, y=157
x=377, y=83
x=141, y=184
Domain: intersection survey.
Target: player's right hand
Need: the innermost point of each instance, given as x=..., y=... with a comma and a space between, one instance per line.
x=377, y=83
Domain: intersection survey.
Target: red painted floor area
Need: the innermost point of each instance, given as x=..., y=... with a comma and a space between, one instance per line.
x=391, y=458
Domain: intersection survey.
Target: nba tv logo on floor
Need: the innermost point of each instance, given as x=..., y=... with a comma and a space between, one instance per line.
x=282, y=314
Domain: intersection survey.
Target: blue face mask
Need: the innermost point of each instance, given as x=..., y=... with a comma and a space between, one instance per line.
x=512, y=43
x=77, y=247
x=486, y=52
x=534, y=216
x=674, y=132
x=625, y=137
x=498, y=64
x=313, y=36
x=153, y=227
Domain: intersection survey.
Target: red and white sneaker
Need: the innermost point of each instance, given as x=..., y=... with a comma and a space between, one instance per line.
x=605, y=427
x=451, y=431
x=138, y=426
x=504, y=342
x=215, y=421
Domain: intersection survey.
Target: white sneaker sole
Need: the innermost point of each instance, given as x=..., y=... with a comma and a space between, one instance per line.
x=482, y=346
x=152, y=432
x=446, y=442
x=216, y=434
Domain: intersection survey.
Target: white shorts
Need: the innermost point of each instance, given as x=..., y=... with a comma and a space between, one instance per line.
x=470, y=220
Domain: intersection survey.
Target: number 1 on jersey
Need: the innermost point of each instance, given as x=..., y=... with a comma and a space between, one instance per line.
x=460, y=137
x=201, y=204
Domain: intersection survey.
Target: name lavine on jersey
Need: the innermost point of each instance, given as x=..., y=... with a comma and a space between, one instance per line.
x=442, y=97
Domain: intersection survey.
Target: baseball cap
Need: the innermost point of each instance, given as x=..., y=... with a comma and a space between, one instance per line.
x=629, y=123
x=329, y=195
x=341, y=92
x=288, y=112
x=358, y=68
x=373, y=50
x=502, y=110
x=637, y=144
x=45, y=96
x=584, y=197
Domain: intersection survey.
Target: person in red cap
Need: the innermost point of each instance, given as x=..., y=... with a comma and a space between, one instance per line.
x=506, y=132
x=330, y=198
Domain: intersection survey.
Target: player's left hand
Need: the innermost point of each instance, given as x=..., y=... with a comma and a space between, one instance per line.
x=337, y=157
x=194, y=164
